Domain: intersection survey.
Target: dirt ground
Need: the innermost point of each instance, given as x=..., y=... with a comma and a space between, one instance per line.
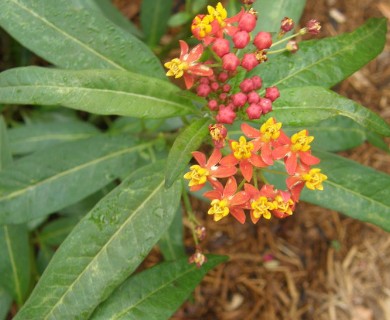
x=317, y=264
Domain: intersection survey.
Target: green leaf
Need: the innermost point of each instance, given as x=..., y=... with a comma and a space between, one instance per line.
x=325, y=62
x=55, y=232
x=5, y=150
x=96, y=91
x=309, y=105
x=352, y=189
x=43, y=258
x=15, y=261
x=5, y=303
x=113, y=14
x=105, y=247
x=180, y=154
x=179, y=19
x=37, y=136
x=154, y=18
x=155, y=293
x=172, y=241
x=73, y=34
x=54, y=178
x=272, y=12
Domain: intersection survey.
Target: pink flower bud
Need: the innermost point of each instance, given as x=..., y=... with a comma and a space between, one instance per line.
x=266, y=105
x=257, y=82
x=204, y=80
x=272, y=93
x=249, y=61
x=241, y=39
x=214, y=86
x=254, y=111
x=253, y=97
x=247, y=22
x=203, y=90
x=223, y=96
x=226, y=87
x=213, y=105
x=263, y=40
x=286, y=25
x=239, y=99
x=221, y=47
x=230, y=62
x=246, y=85
x=223, y=76
x=247, y=2
x=313, y=26
x=225, y=115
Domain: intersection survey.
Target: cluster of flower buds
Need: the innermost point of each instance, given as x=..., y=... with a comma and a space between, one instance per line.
x=232, y=51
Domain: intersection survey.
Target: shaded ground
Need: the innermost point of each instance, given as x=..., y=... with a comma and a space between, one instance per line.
x=317, y=264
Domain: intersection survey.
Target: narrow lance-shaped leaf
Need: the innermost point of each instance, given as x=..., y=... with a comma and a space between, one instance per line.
x=15, y=261
x=187, y=141
x=37, y=136
x=75, y=35
x=352, y=189
x=154, y=19
x=54, y=178
x=105, y=247
x=96, y=91
x=325, y=62
x=155, y=293
x=5, y=303
x=309, y=105
x=113, y=14
x=14, y=244
x=272, y=12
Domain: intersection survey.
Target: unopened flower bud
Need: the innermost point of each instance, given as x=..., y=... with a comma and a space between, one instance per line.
x=230, y=62
x=286, y=25
x=225, y=115
x=249, y=61
x=214, y=86
x=246, y=85
x=313, y=26
x=263, y=40
x=241, y=39
x=213, y=105
x=221, y=47
x=223, y=76
x=247, y=22
x=239, y=99
x=248, y=2
x=203, y=90
x=223, y=96
x=226, y=87
x=272, y=93
x=292, y=46
x=253, y=97
x=254, y=111
x=218, y=134
x=266, y=105
x=257, y=82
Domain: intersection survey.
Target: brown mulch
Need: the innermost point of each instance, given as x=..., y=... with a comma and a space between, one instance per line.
x=317, y=264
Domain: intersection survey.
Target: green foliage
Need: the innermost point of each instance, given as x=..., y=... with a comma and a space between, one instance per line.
x=105, y=247
x=160, y=291
x=75, y=34
x=104, y=139
x=97, y=91
x=325, y=62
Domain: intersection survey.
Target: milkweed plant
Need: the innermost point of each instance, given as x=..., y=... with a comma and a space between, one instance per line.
x=105, y=146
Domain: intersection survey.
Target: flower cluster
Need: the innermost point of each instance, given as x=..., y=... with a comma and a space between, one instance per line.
x=251, y=156
x=215, y=70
